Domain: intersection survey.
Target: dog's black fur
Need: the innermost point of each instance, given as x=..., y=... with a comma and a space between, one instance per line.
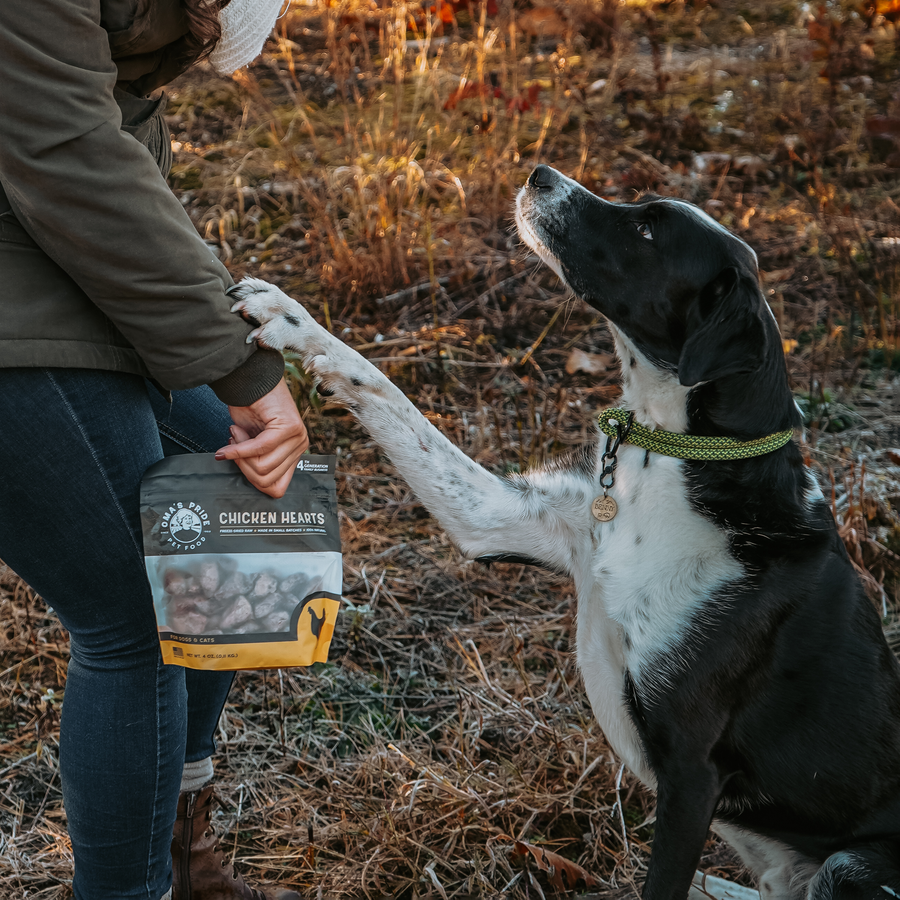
x=786, y=723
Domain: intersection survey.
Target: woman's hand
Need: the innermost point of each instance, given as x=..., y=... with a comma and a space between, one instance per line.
x=267, y=439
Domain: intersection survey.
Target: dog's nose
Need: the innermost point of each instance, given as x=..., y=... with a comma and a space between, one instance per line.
x=543, y=178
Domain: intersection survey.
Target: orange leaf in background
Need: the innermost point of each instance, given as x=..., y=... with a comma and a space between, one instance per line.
x=528, y=99
x=446, y=13
x=564, y=874
x=818, y=32
x=789, y=346
x=473, y=89
x=450, y=7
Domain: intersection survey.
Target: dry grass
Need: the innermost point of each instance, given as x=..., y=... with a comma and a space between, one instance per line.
x=369, y=167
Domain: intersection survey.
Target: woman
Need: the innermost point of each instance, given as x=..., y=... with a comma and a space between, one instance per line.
x=110, y=301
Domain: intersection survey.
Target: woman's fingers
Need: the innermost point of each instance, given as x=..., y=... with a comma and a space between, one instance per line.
x=269, y=437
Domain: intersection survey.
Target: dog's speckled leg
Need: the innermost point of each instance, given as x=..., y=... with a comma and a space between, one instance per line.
x=544, y=516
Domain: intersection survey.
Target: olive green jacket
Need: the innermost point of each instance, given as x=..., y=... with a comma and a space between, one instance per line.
x=100, y=265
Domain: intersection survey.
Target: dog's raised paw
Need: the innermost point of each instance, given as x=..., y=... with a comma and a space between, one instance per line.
x=257, y=299
x=277, y=316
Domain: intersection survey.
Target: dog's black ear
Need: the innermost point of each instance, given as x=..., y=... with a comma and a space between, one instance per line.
x=725, y=332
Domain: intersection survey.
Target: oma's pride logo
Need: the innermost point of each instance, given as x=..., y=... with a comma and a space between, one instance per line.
x=183, y=525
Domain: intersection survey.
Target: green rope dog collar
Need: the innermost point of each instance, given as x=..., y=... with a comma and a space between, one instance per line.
x=685, y=446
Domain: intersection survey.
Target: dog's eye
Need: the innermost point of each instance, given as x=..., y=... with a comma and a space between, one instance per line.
x=645, y=231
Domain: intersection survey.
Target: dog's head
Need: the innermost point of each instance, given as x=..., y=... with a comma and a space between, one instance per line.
x=683, y=289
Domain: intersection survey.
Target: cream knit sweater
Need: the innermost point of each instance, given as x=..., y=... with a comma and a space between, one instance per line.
x=245, y=26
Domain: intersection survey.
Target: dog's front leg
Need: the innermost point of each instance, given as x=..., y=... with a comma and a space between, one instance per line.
x=544, y=517
x=685, y=803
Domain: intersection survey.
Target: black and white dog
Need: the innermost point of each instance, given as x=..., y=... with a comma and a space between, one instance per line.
x=726, y=645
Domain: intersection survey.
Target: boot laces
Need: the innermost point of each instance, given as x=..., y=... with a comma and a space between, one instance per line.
x=235, y=876
x=254, y=894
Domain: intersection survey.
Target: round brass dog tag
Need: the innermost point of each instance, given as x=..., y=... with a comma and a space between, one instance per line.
x=604, y=508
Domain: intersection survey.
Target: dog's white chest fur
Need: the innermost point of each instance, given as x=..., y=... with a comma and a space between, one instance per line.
x=654, y=569
x=657, y=562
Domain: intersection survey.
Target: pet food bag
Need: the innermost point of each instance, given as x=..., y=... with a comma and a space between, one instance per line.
x=241, y=580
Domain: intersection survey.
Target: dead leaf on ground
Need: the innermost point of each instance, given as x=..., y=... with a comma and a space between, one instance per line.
x=563, y=873
x=883, y=126
x=591, y=363
x=775, y=275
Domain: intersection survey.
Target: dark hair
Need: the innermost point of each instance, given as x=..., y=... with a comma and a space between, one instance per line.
x=203, y=21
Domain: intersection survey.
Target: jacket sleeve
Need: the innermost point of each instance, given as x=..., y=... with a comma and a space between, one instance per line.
x=94, y=200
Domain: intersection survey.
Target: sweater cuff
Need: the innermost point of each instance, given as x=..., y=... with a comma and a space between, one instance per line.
x=252, y=379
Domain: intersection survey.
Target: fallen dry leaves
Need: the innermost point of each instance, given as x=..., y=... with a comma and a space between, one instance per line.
x=563, y=874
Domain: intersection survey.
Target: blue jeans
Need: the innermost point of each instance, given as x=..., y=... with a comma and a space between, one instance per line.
x=74, y=446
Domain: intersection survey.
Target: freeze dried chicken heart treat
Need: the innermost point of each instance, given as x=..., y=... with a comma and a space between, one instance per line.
x=210, y=575
x=237, y=614
x=194, y=605
x=239, y=579
x=264, y=585
x=236, y=583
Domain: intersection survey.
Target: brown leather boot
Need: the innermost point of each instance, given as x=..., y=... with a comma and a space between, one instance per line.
x=200, y=870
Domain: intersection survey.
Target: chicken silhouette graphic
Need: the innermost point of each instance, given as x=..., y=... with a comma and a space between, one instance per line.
x=315, y=625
